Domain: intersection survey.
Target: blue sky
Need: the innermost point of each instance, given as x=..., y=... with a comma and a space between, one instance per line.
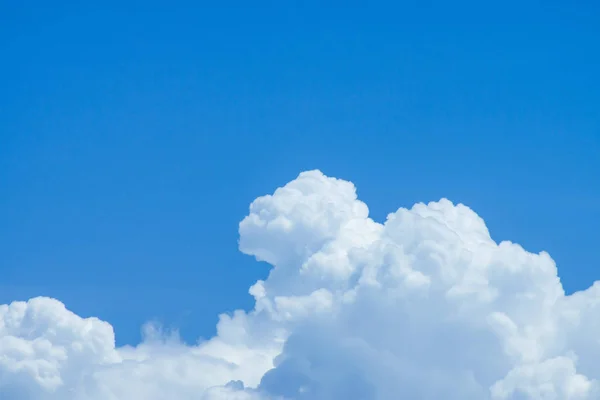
x=134, y=137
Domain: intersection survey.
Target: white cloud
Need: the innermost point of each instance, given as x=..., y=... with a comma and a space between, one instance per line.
x=424, y=306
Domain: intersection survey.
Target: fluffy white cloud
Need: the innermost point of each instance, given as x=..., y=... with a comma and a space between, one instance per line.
x=424, y=306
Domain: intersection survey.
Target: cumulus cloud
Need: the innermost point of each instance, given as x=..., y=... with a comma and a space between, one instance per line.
x=423, y=306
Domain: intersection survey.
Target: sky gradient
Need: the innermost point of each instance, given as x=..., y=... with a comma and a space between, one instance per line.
x=134, y=137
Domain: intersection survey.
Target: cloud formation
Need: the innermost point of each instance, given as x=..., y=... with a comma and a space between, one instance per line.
x=424, y=306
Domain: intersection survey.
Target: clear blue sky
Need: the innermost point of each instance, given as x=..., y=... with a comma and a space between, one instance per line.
x=134, y=136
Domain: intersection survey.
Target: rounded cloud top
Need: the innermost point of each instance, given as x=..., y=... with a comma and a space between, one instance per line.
x=299, y=217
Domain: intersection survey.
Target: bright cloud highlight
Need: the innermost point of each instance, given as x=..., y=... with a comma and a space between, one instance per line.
x=424, y=306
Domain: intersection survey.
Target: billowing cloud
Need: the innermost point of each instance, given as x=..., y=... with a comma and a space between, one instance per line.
x=423, y=306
